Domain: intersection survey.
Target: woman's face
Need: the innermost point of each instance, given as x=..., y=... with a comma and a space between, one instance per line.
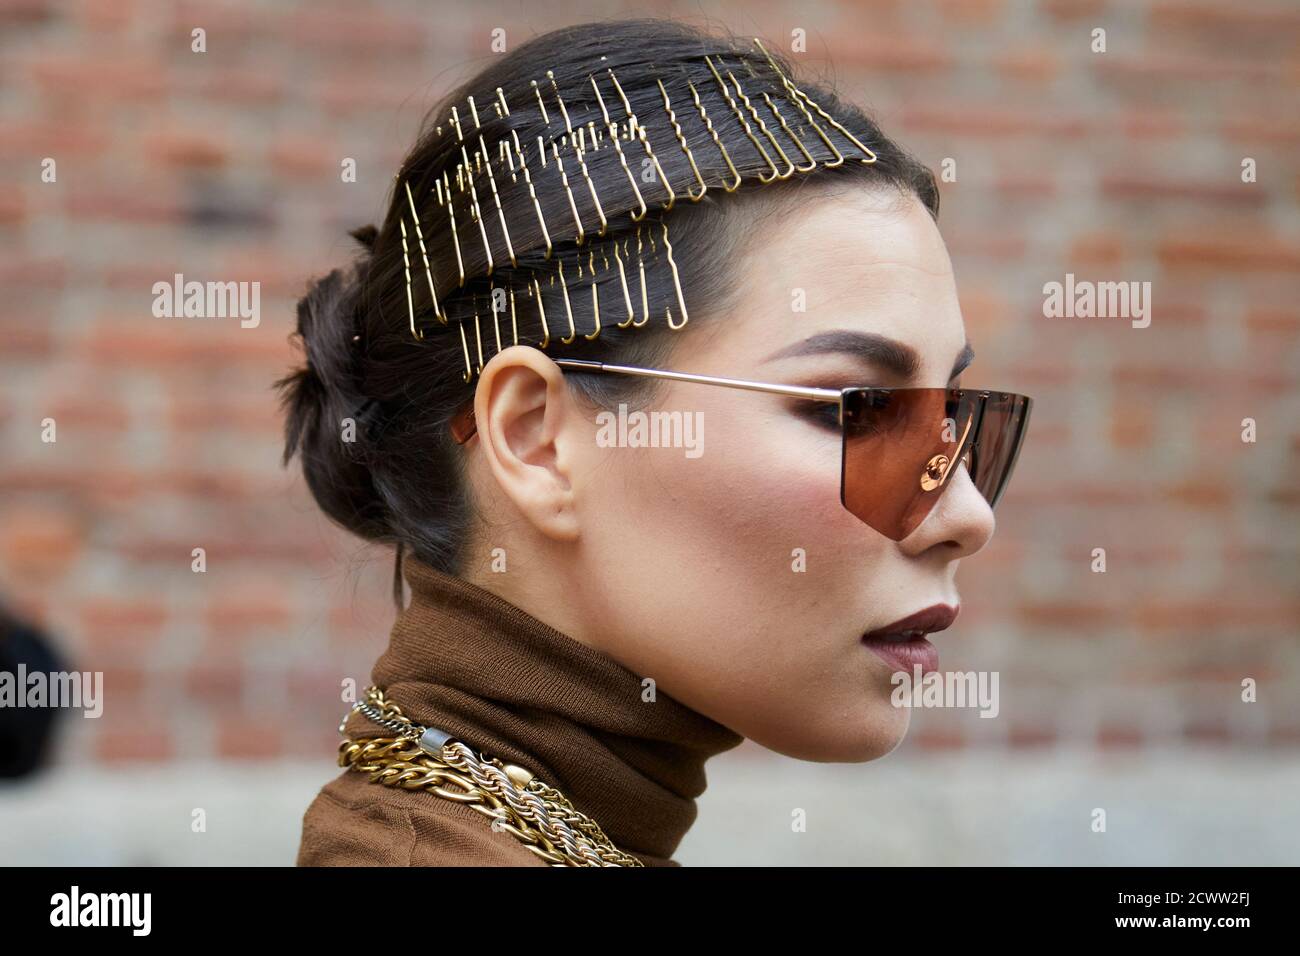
x=735, y=578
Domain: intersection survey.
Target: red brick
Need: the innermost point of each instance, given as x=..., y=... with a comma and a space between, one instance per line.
x=39, y=138
x=90, y=412
x=1159, y=617
x=137, y=203
x=1034, y=64
x=1119, y=736
x=20, y=13
x=108, y=14
x=1074, y=9
x=878, y=52
x=131, y=76
x=370, y=33
x=303, y=155
x=1274, y=321
x=215, y=681
x=937, y=739
x=1067, y=616
x=246, y=738
x=1130, y=185
x=124, y=622
x=40, y=540
x=1248, y=130
x=1031, y=736
x=1201, y=495
x=1259, y=24
x=192, y=149
x=236, y=617
x=1207, y=731
x=130, y=745
x=970, y=11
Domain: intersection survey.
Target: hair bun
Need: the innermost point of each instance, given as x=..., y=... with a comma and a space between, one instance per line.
x=366, y=235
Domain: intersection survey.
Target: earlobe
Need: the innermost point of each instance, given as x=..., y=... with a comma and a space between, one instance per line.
x=521, y=407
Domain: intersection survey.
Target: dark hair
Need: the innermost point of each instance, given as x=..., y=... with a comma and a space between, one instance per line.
x=399, y=479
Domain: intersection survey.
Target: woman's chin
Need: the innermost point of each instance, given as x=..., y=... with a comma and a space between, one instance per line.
x=878, y=734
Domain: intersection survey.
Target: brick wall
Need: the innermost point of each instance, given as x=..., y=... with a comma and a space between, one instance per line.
x=1122, y=165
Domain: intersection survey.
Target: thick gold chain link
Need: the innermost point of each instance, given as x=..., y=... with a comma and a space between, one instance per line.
x=536, y=813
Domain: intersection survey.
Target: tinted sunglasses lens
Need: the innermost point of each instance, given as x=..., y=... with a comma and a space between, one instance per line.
x=899, y=448
x=1002, y=432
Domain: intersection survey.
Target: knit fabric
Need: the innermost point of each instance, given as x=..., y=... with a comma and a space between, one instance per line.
x=467, y=661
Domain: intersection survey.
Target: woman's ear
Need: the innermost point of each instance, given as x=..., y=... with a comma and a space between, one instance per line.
x=521, y=408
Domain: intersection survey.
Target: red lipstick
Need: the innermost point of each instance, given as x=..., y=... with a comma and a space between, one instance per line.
x=903, y=644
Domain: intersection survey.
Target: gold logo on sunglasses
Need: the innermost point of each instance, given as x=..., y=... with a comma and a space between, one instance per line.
x=935, y=469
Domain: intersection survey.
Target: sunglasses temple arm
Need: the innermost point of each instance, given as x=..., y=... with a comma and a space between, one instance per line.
x=794, y=391
x=463, y=428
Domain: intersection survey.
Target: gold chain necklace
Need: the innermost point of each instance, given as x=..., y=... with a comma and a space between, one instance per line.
x=426, y=758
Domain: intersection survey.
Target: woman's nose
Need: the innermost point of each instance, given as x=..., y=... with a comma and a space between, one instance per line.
x=961, y=521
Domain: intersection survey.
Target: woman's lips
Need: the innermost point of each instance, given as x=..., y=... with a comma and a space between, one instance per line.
x=903, y=644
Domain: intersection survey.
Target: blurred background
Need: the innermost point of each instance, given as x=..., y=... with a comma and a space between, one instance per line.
x=1120, y=690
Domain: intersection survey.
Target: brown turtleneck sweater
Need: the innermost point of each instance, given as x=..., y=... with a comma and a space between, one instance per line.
x=471, y=663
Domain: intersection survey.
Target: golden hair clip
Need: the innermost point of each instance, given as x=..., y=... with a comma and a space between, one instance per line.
x=681, y=141
x=749, y=132
x=641, y=135
x=717, y=141
x=424, y=254
x=800, y=97
x=410, y=301
x=618, y=148
x=789, y=139
x=762, y=127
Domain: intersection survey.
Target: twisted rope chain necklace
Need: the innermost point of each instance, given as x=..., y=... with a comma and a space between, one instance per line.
x=425, y=758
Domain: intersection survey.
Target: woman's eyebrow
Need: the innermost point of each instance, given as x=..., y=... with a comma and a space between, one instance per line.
x=964, y=358
x=880, y=350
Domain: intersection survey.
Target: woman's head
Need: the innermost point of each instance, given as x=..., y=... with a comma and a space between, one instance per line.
x=733, y=577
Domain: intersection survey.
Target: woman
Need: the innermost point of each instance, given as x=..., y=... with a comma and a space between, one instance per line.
x=615, y=236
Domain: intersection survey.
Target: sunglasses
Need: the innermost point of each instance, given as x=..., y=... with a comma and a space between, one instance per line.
x=901, y=446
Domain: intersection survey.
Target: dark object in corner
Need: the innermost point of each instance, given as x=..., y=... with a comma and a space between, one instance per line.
x=25, y=732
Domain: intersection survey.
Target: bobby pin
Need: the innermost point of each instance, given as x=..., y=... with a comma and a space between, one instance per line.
x=622, y=278
x=618, y=148
x=406, y=264
x=528, y=181
x=762, y=127
x=514, y=323
x=641, y=135
x=579, y=150
x=564, y=178
x=478, y=334
x=681, y=140
x=744, y=123
x=681, y=303
x=424, y=254
x=541, y=314
x=812, y=161
x=568, y=308
x=478, y=215
x=645, y=294
x=445, y=189
x=595, y=295
x=801, y=97
x=464, y=345
x=492, y=182
x=708, y=124
x=545, y=119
